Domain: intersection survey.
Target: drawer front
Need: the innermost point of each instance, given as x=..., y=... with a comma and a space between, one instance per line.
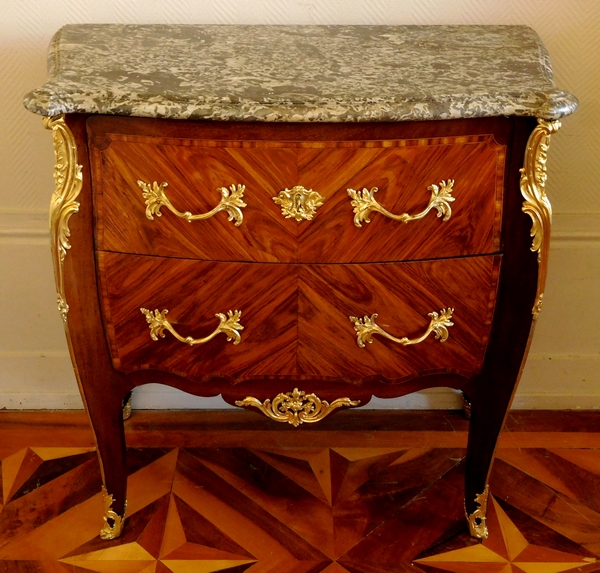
x=194, y=175
x=193, y=292
x=405, y=174
x=296, y=318
x=403, y=296
x=461, y=176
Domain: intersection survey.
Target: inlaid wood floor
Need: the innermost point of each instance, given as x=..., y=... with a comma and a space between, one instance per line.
x=368, y=493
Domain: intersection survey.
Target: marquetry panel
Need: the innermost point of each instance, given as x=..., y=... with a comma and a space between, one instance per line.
x=265, y=505
x=194, y=174
x=296, y=317
x=402, y=294
x=193, y=292
x=401, y=169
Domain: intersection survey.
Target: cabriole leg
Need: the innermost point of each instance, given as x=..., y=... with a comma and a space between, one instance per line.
x=107, y=421
x=102, y=388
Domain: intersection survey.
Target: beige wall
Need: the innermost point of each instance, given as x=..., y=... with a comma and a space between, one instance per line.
x=564, y=366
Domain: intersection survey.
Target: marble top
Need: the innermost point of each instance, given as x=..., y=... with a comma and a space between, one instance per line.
x=300, y=73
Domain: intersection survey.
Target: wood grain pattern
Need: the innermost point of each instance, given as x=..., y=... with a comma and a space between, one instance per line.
x=402, y=295
x=338, y=145
x=195, y=169
x=574, y=432
x=241, y=503
x=296, y=317
x=101, y=386
x=193, y=292
x=492, y=392
x=194, y=174
x=402, y=174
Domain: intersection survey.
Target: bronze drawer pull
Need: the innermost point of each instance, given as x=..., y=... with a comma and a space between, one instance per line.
x=364, y=202
x=229, y=324
x=231, y=201
x=366, y=327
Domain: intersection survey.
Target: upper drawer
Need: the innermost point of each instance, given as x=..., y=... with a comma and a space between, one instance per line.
x=446, y=193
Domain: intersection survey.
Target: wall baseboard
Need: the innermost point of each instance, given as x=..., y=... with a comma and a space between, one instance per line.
x=575, y=230
x=549, y=383
x=446, y=399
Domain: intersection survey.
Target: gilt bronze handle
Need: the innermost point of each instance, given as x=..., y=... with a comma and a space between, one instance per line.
x=230, y=325
x=364, y=202
x=231, y=202
x=366, y=327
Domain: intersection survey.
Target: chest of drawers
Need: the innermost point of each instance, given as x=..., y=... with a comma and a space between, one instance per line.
x=299, y=251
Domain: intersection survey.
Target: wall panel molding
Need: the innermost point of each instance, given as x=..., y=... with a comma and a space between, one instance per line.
x=26, y=226
x=575, y=230
x=569, y=229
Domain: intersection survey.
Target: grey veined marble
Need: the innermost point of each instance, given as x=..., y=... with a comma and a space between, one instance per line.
x=300, y=73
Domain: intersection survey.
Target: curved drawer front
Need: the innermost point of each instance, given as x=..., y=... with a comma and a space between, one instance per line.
x=195, y=174
x=403, y=177
x=193, y=292
x=405, y=297
x=293, y=321
x=269, y=201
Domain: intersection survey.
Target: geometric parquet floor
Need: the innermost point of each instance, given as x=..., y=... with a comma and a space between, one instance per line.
x=330, y=501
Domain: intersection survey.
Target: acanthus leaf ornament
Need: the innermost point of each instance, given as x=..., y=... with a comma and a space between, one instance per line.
x=228, y=324
x=63, y=307
x=536, y=204
x=366, y=327
x=364, y=202
x=296, y=407
x=68, y=183
x=231, y=202
x=537, y=307
x=113, y=522
x=477, y=520
x=298, y=202
x=127, y=406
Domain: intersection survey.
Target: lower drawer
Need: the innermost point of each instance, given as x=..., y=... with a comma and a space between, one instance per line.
x=296, y=318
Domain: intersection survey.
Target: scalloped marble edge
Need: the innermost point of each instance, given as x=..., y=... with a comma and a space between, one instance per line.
x=555, y=106
x=54, y=98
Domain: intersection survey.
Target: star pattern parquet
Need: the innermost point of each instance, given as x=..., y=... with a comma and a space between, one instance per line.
x=262, y=507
